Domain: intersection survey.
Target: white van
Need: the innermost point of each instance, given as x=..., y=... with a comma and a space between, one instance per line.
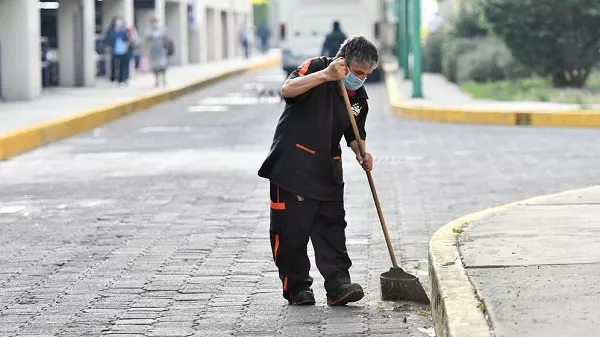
x=304, y=24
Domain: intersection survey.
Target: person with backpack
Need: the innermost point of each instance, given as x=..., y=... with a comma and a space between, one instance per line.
x=117, y=44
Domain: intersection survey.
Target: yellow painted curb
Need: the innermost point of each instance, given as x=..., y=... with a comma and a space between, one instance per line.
x=573, y=118
x=27, y=139
x=457, y=309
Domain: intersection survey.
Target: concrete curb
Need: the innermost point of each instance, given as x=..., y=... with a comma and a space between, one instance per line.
x=573, y=118
x=30, y=138
x=457, y=309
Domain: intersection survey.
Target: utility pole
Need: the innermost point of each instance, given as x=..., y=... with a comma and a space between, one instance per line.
x=416, y=49
x=399, y=32
x=405, y=36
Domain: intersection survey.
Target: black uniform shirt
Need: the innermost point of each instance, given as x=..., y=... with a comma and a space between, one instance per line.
x=305, y=156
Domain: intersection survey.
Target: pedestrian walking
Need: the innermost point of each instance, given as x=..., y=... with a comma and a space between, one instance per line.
x=333, y=40
x=132, y=51
x=304, y=168
x=156, y=45
x=245, y=34
x=116, y=42
x=264, y=33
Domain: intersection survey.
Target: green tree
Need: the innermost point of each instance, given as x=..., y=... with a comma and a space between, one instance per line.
x=557, y=38
x=469, y=21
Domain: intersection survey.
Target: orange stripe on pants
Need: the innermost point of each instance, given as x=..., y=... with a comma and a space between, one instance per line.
x=276, y=248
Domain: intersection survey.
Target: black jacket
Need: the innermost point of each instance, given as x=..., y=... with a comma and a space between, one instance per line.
x=305, y=156
x=333, y=42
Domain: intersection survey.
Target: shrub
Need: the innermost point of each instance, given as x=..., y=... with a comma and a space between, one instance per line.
x=555, y=38
x=452, y=50
x=464, y=28
x=469, y=21
x=432, y=53
x=489, y=60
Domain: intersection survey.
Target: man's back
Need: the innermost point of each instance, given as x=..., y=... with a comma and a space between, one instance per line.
x=333, y=41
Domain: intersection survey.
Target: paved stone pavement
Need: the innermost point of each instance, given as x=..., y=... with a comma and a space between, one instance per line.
x=157, y=224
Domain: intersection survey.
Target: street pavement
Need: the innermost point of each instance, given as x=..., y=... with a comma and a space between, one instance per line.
x=535, y=265
x=60, y=102
x=157, y=224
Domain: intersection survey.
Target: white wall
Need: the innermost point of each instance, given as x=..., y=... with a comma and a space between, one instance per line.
x=20, y=53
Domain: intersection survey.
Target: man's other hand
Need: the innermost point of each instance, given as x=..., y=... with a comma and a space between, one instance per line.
x=336, y=70
x=366, y=162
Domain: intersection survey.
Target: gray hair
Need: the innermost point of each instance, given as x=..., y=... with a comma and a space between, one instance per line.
x=359, y=50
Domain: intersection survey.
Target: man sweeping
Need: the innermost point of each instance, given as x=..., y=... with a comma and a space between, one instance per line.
x=304, y=168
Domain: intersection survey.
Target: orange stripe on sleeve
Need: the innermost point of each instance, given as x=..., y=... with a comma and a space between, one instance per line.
x=305, y=66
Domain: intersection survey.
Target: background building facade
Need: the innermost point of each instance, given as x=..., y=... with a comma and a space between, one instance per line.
x=45, y=43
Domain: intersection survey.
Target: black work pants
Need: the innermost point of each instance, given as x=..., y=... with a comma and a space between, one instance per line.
x=295, y=220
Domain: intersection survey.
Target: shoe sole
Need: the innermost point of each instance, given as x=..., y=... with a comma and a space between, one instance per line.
x=305, y=302
x=353, y=296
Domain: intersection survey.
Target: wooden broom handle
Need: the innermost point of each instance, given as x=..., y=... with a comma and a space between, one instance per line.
x=362, y=151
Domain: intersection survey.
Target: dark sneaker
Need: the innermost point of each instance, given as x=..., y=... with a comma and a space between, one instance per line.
x=348, y=292
x=302, y=297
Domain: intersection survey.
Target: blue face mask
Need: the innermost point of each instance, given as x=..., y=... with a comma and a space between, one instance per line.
x=352, y=81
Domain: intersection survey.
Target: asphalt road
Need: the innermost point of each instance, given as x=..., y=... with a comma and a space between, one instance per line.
x=157, y=224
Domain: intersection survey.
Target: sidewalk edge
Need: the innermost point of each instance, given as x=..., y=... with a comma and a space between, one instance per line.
x=30, y=138
x=572, y=118
x=457, y=309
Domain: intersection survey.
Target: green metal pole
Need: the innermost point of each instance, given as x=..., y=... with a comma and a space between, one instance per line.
x=405, y=37
x=398, y=11
x=416, y=49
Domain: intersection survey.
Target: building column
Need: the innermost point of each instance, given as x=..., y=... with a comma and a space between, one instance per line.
x=201, y=19
x=177, y=28
x=76, y=45
x=232, y=36
x=218, y=34
x=20, y=50
x=159, y=12
x=211, y=32
x=194, y=33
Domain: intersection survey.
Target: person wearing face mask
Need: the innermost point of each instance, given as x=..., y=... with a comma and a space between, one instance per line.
x=304, y=169
x=117, y=44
